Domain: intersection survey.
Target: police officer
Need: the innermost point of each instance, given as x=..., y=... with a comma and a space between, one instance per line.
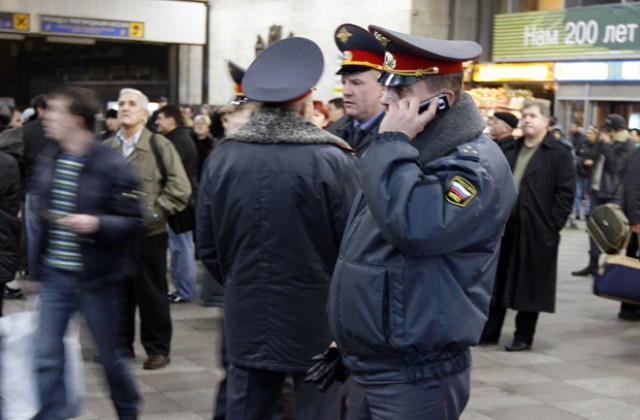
x=412, y=285
x=362, y=58
x=274, y=202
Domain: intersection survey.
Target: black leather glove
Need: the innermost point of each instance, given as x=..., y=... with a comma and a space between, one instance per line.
x=327, y=369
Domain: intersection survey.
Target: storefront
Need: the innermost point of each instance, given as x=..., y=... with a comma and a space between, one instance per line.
x=505, y=87
x=595, y=51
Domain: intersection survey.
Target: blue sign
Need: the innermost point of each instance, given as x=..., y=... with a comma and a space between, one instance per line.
x=91, y=27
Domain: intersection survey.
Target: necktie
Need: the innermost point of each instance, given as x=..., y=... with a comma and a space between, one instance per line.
x=357, y=136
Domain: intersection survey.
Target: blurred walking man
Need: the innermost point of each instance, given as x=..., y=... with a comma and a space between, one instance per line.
x=88, y=214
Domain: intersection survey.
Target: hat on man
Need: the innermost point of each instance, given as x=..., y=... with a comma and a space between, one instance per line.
x=111, y=113
x=360, y=50
x=237, y=74
x=614, y=122
x=285, y=71
x=509, y=118
x=410, y=58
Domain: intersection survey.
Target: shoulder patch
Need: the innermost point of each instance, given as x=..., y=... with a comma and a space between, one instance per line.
x=460, y=191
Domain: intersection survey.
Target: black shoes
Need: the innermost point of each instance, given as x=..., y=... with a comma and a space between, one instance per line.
x=11, y=293
x=629, y=315
x=518, y=345
x=585, y=272
x=176, y=298
x=590, y=270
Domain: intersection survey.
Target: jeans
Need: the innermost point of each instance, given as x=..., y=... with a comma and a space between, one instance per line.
x=61, y=296
x=183, y=263
x=582, y=189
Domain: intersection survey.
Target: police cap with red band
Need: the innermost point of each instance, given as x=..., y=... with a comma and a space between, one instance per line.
x=409, y=58
x=360, y=50
x=285, y=71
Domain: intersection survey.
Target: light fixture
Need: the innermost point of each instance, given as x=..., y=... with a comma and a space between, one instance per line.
x=71, y=40
x=12, y=37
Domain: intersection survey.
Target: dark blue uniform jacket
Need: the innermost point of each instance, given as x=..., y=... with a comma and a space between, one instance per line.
x=412, y=285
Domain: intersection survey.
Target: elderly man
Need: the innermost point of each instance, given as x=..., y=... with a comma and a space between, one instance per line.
x=411, y=288
x=162, y=197
x=362, y=58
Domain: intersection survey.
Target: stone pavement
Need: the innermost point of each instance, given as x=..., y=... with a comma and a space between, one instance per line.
x=585, y=363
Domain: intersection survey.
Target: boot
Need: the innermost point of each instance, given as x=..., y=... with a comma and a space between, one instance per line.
x=589, y=270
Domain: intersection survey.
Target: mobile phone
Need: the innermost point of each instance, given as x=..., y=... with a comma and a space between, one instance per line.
x=443, y=104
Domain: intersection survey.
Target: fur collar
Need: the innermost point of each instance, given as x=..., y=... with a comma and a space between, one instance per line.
x=460, y=124
x=275, y=125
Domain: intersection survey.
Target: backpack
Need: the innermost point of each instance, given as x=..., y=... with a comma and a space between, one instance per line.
x=608, y=227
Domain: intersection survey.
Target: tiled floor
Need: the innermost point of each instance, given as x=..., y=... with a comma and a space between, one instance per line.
x=585, y=363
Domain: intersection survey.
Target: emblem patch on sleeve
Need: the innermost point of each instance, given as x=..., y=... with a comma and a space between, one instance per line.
x=460, y=191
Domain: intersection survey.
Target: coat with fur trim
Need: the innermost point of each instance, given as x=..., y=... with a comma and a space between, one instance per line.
x=411, y=288
x=273, y=203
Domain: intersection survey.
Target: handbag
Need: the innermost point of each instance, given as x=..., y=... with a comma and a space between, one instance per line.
x=619, y=279
x=608, y=226
x=18, y=377
x=184, y=220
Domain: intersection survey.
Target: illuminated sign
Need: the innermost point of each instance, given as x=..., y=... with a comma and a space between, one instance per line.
x=584, y=71
x=533, y=72
x=14, y=21
x=91, y=27
x=630, y=70
x=597, y=71
x=587, y=32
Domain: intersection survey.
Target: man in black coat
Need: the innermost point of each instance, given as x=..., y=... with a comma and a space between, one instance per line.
x=526, y=276
x=361, y=66
x=170, y=123
x=272, y=207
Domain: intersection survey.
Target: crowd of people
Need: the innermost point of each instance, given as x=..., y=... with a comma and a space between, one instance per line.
x=363, y=245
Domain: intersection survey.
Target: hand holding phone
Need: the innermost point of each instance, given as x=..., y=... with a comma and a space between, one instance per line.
x=443, y=104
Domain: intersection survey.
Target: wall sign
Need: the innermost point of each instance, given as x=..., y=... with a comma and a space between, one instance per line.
x=91, y=27
x=587, y=32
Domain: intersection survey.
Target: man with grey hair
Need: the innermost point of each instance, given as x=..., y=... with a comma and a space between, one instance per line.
x=162, y=197
x=526, y=276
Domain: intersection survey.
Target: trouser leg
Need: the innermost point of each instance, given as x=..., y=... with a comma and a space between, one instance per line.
x=252, y=394
x=183, y=264
x=57, y=303
x=99, y=308
x=150, y=289
x=493, y=327
x=526, y=326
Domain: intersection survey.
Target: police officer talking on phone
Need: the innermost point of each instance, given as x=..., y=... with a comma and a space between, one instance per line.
x=410, y=292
